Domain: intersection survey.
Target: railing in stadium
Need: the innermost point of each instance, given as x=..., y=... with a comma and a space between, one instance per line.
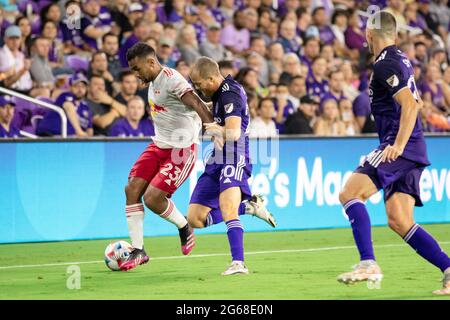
x=42, y=104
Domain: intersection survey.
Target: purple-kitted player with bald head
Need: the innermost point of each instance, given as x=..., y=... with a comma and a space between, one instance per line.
x=222, y=192
x=397, y=164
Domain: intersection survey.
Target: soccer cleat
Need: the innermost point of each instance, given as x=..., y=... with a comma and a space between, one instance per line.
x=255, y=207
x=446, y=287
x=187, y=238
x=235, y=267
x=367, y=270
x=136, y=258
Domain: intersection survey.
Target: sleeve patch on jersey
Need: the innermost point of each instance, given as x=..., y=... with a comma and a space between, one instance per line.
x=229, y=108
x=393, y=81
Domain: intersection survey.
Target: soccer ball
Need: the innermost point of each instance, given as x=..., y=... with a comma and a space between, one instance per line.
x=116, y=253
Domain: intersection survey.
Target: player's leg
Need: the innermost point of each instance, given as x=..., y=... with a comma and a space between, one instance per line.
x=175, y=167
x=160, y=203
x=134, y=191
x=400, y=211
x=201, y=216
x=356, y=191
x=140, y=175
x=230, y=201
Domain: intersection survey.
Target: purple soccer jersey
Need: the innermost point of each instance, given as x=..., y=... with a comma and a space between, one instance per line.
x=86, y=22
x=326, y=35
x=122, y=128
x=231, y=166
x=393, y=72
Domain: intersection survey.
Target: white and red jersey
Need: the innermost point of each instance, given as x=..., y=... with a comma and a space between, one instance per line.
x=176, y=125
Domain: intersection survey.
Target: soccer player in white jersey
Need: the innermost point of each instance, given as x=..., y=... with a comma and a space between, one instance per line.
x=177, y=113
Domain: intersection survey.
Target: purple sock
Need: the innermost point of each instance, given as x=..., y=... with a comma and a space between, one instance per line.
x=360, y=221
x=236, y=239
x=215, y=215
x=427, y=247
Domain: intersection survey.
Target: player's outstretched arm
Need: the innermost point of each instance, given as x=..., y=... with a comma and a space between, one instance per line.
x=192, y=100
x=409, y=110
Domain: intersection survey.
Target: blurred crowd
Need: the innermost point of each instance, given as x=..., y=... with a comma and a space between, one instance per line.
x=304, y=64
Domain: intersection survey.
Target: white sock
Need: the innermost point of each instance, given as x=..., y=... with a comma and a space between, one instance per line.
x=174, y=216
x=135, y=220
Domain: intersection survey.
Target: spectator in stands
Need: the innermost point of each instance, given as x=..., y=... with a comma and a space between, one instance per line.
x=25, y=27
x=297, y=90
x=171, y=11
x=258, y=45
x=339, y=23
x=316, y=83
x=188, y=45
x=351, y=80
x=288, y=37
x=257, y=62
x=111, y=48
x=348, y=118
x=311, y=50
x=212, y=47
x=302, y=121
x=92, y=26
x=283, y=107
x=105, y=110
x=77, y=111
x=40, y=69
x=320, y=20
x=164, y=52
x=275, y=62
x=235, y=37
x=226, y=68
x=361, y=108
x=434, y=91
x=141, y=31
x=99, y=67
x=248, y=77
x=134, y=124
x=263, y=126
x=355, y=39
x=128, y=87
x=335, y=88
x=56, y=51
x=291, y=68
x=12, y=57
x=182, y=67
x=7, y=107
x=329, y=123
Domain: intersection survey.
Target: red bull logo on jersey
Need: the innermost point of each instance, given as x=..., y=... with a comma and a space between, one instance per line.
x=155, y=109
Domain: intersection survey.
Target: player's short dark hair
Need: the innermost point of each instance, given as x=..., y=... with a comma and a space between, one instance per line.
x=140, y=50
x=383, y=24
x=309, y=39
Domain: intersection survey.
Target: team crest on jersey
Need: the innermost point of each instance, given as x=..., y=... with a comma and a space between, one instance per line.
x=225, y=87
x=229, y=108
x=155, y=109
x=393, y=81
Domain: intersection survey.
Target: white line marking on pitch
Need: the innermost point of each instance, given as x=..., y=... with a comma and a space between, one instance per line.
x=209, y=255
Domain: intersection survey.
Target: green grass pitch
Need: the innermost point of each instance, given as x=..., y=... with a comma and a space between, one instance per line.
x=283, y=265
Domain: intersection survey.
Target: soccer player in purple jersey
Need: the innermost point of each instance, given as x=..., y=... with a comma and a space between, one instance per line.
x=397, y=164
x=222, y=192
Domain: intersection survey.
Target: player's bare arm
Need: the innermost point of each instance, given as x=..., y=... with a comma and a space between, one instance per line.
x=409, y=110
x=192, y=100
x=69, y=108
